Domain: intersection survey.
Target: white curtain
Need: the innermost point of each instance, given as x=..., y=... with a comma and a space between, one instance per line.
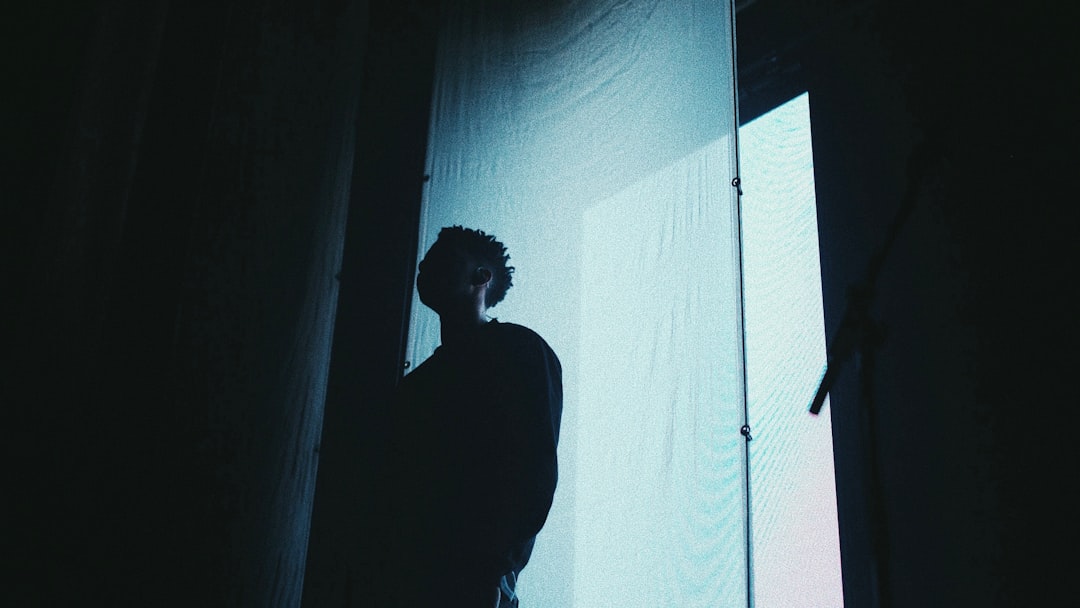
x=596, y=139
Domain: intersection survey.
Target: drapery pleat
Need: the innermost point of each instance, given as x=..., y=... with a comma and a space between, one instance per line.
x=596, y=139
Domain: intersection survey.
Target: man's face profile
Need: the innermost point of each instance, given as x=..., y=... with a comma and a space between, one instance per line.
x=443, y=280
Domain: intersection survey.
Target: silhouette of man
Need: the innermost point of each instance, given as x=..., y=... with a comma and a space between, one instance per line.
x=473, y=446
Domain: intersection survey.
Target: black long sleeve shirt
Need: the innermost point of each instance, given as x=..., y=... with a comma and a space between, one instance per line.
x=473, y=454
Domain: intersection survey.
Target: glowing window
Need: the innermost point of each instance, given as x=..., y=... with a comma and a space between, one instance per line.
x=796, y=552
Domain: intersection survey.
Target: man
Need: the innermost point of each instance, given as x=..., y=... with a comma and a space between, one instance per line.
x=474, y=436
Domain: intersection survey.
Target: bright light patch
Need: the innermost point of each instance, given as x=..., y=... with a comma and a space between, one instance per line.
x=661, y=478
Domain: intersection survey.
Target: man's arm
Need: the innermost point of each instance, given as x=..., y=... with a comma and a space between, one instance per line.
x=527, y=394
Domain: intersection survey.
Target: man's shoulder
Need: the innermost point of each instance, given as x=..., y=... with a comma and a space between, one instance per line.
x=521, y=338
x=515, y=331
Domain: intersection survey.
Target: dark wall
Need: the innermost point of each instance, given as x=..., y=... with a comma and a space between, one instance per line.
x=175, y=193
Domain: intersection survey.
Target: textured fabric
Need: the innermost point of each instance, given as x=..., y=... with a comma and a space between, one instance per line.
x=596, y=139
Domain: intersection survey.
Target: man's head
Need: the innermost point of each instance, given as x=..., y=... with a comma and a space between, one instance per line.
x=461, y=264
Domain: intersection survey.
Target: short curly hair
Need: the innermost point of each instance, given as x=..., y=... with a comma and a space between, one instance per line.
x=487, y=251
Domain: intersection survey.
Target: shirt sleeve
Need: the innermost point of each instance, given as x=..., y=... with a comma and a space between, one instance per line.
x=527, y=398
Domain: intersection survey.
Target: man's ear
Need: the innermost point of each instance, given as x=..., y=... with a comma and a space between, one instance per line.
x=481, y=275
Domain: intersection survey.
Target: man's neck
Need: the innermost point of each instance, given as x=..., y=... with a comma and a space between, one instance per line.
x=461, y=330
